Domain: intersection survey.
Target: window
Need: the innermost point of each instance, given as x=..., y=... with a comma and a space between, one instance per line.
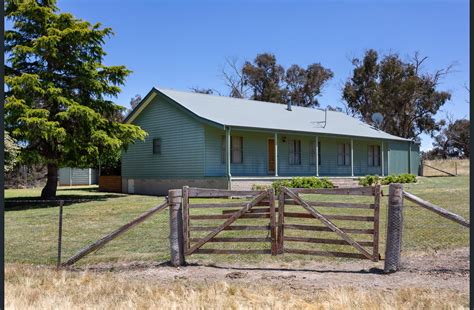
x=237, y=150
x=373, y=156
x=312, y=153
x=295, y=152
x=344, y=154
x=157, y=146
x=236, y=145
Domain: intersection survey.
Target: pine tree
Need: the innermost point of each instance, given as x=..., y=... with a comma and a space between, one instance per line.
x=58, y=99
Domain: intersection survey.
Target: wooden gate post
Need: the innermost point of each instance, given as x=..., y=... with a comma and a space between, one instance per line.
x=393, y=245
x=176, y=228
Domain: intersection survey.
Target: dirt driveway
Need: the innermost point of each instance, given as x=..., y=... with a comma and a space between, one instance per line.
x=442, y=270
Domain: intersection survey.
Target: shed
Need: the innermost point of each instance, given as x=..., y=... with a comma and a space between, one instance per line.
x=78, y=176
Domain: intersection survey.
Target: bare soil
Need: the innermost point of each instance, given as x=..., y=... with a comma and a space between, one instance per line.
x=442, y=270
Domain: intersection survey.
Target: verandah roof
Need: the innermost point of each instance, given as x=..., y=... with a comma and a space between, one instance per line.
x=234, y=112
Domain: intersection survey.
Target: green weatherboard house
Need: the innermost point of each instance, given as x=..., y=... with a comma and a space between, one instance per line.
x=220, y=142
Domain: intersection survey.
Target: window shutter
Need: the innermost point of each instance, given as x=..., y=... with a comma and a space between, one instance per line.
x=299, y=152
x=291, y=151
x=157, y=146
x=347, y=153
x=241, y=149
x=223, y=151
x=312, y=153
x=377, y=155
x=370, y=155
x=340, y=154
x=319, y=153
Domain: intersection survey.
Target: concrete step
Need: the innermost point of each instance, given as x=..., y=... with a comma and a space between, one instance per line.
x=344, y=182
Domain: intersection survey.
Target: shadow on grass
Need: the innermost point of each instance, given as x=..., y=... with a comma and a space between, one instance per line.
x=362, y=271
x=94, y=189
x=26, y=203
x=147, y=265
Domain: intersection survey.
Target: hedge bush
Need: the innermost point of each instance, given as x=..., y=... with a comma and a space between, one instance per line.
x=370, y=180
x=303, y=182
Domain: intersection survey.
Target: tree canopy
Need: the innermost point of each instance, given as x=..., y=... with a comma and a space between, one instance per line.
x=407, y=97
x=265, y=80
x=452, y=141
x=12, y=152
x=58, y=99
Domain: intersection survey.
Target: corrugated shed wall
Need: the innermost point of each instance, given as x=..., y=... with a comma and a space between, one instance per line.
x=75, y=176
x=182, y=144
x=64, y=176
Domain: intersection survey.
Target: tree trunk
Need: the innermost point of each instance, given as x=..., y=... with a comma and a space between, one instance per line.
x=49, y=190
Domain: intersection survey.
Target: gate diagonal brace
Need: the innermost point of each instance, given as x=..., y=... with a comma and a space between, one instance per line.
x=229, y=221
x=327, y=222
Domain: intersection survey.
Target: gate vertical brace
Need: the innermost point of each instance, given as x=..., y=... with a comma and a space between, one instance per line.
x=176, y=228
x=394, y=228
x=281, y=221
x=378, y=194
x=273, y=228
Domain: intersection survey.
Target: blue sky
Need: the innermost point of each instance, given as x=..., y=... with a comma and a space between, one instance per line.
x=182, y=44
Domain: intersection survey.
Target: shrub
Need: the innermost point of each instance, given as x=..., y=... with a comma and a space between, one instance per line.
x=370, y=180
x=303, y=182
x=260, y=187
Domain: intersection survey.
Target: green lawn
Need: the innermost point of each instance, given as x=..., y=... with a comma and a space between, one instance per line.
x=31, y=230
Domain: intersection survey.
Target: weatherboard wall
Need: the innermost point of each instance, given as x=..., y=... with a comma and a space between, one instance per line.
x=182, y=144
x=191, y=148
x=255, y=155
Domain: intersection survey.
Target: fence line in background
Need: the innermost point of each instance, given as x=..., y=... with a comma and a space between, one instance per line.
x=104, y=240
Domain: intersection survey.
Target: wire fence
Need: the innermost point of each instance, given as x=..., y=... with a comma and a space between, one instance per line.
x=32, y=230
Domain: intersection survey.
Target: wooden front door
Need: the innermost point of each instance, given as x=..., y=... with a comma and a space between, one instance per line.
x=271, y=156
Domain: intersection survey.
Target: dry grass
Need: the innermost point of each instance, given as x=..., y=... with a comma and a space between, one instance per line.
x=459, y=166
x=28, y=287
x=31, y=231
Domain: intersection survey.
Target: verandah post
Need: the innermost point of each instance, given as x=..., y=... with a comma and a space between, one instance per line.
x=176, y=228
x=352, y=157
x=394, y=228
x=276, y=153
x=383, y=163
x=228, y=157
x=317, y=156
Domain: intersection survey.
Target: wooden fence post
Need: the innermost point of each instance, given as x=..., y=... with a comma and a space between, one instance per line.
x=281, y=221
x=176, y=228
x=60, y=232
x=394, y=228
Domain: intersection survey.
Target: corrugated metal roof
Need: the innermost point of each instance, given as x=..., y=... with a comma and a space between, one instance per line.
x=236, y=112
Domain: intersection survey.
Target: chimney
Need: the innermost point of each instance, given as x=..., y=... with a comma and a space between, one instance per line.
x=289, y=106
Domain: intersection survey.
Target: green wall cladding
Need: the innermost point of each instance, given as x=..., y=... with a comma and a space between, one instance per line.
x=255, y=152
x=192, y=148
x=182, y=144
x=399, y=157
x=415, y=159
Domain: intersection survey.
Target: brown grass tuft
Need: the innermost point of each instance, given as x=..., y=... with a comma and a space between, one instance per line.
x=28, y=287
